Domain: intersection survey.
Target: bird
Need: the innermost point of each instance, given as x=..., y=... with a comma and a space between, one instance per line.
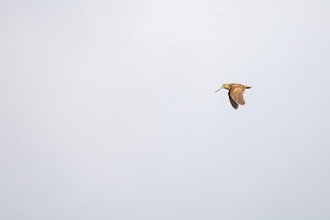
x=235, y=93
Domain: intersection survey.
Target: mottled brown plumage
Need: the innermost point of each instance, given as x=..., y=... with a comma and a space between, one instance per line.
x=236, y=92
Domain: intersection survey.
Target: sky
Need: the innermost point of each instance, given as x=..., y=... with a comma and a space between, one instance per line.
x=108, y=110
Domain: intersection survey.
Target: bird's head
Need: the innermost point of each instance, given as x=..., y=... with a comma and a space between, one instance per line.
x=224, y=86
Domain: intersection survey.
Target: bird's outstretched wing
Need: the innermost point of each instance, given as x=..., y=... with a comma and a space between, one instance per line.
x=232, y=102
x=237, y=94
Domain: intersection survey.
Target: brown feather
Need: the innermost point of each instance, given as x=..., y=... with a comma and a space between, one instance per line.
x=240, y=99
x=236, y=93
x=232, y=102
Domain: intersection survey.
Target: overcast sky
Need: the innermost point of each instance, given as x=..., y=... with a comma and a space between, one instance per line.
x=108, y=110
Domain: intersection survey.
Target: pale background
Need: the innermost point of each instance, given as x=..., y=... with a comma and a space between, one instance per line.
x=108, y=110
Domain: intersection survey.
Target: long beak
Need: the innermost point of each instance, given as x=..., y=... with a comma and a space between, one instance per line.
x=219, y=89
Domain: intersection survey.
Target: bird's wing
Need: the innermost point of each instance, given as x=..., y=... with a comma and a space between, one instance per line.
x=232, y=102
x=236, y=94
x=241, y=100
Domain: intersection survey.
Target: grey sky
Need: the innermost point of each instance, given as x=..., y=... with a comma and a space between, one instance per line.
x=108, y=110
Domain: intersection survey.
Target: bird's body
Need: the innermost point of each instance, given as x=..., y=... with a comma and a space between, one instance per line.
x=235, y=93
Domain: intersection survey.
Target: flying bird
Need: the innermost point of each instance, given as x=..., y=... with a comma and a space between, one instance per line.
x=235, y=93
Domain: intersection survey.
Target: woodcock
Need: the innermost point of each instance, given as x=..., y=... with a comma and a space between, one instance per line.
x=236, y=93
